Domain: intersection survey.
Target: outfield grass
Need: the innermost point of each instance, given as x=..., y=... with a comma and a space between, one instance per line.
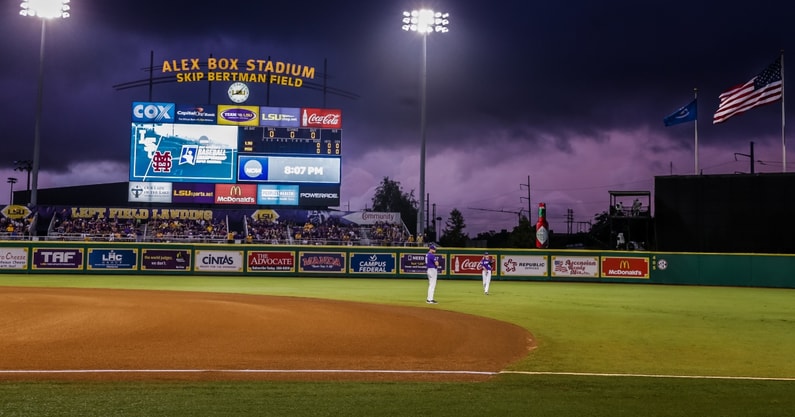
x=668, y=332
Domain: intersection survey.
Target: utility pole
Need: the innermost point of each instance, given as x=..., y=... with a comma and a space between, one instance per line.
x=750, y=156
x=569, y=220
x=427, y=210
x=529, y=204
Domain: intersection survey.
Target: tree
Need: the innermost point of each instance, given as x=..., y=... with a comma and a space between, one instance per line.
x=600, y=230
x=389, y=197
x=453, y=233
x=523, y=235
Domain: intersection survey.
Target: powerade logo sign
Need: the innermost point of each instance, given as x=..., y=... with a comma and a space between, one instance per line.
x=147, y=112
x=319, y=195
x=363, y=263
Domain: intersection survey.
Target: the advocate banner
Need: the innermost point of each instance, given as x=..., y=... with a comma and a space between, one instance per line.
x=271, y=261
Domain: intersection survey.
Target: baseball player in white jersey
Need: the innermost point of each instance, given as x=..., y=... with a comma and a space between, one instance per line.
x=486, y=266
x=432, y=269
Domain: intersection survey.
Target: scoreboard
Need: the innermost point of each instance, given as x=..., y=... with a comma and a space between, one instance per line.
x=235, y=154
x=290, y=140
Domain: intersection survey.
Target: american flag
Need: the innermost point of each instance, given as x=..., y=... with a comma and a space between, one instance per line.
x=766, y=87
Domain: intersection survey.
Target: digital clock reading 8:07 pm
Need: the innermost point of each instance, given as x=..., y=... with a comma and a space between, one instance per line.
x=290, y=140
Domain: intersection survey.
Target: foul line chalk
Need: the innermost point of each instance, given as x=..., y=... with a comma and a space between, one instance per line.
x=746, y=378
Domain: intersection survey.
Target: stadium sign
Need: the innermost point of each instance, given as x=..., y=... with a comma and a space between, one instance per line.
x=15, y=212
x=249, y=70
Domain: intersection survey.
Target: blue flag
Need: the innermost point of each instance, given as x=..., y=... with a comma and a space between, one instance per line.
x=685, y=114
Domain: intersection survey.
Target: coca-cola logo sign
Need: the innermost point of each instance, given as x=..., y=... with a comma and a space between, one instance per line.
x=466, y=264
x=321, y=118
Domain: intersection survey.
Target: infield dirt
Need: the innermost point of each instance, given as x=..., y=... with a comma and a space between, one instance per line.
x=97, y=334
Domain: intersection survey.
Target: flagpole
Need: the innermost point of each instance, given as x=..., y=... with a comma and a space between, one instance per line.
x=783, y=119
x=695, y=97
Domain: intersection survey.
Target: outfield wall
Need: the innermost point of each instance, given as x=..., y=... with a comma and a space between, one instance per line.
x=40, y=257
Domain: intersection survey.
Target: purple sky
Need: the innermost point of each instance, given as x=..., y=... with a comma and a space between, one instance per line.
x=571, y=95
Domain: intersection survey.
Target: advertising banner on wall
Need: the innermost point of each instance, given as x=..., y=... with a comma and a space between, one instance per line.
x=625, y=267
x=321, y=262
x=575, y=266
x=522, y=265
x=166, y=259
x=414, y=263
x=57, y=258
x=271, y=261
x=363, y=263
x=13, y=258
x=218, y=261
x=112, y=259
x=467, y=264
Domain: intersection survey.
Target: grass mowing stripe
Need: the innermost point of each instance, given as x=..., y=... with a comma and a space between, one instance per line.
x=594, y=328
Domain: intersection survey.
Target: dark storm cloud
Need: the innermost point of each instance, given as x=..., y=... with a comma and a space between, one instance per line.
x=509, y=79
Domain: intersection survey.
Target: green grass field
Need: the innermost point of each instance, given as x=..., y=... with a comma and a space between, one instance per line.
x=603, y=350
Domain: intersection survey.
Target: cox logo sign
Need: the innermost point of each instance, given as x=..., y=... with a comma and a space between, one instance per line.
x=153, y=112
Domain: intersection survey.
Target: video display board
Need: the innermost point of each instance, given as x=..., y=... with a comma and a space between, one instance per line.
x=209, y=154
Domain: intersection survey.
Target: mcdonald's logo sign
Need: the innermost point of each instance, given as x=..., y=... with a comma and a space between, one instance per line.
x=245, y=194
x=625, y=267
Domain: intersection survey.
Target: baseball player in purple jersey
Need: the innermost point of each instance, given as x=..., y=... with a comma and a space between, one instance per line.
x=432, y=265
x=486, y=266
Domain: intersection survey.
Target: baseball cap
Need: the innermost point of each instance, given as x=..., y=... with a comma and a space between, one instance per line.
x=431, y=246
x=485, y=253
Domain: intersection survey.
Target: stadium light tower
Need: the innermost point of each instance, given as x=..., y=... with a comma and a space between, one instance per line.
x=45, y=10
x=424, y=22
x=12, y=181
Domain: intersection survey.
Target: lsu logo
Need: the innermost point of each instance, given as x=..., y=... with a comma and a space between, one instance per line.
x=153, y=112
